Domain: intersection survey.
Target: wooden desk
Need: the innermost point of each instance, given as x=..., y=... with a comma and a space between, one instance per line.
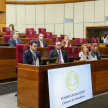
x=33, y=82
x=7, y=63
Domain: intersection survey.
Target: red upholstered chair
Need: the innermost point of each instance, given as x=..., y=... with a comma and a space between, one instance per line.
x=20, y=48
x=56, y=39
x=94, y=40
x=4, y=29
x=6, y=38
x=62, y=36
x=30, y=34
x=80, y=41
x=9, y=32
x=48, y=35
x=41, y=30
x=50, y=47
x=32, y=29
x=72, y=51
x=89, y=48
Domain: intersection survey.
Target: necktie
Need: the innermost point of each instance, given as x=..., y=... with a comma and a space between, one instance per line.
x=41, y=43
x=16, y=42
x=59, y=55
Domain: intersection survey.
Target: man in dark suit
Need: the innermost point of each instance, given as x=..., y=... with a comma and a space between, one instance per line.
x=14, y=40
x=58, y=52
x=41, y=42
x=30, y=56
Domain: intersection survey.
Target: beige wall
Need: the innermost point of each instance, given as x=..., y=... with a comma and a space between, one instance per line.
x=51, y=16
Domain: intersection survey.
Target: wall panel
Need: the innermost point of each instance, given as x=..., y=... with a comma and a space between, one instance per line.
x=78, y=30
x=50, y=28
x=40, y=14
x=78, y=12
x=59, y=29
x=21, y=11
x=89, y=11
x=59, y=13
x=99, y=11
x=68, y=10
x=49, y=14
x=30, y=14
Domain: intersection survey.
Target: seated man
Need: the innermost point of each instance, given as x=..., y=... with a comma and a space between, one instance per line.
x=13, y=41
x=58, y=52
x=41, y=42
x=106, y=38
x=30, y=56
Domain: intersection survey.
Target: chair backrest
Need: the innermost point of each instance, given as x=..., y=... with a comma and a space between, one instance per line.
x=20, y=48
x=89, y=48
x=9, y=32
x=56, y=39
x=52, y=47
x=72, y=51
x=62, y=36
x=80, y=41
x=94, y=40
x=32, y=29
x=48, y=35
x=30, y=34
x=41, y=30
x=4, y=29
x=6, y=38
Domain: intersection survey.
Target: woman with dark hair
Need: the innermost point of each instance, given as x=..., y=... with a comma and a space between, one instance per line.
x=11, y=27
x=106, y=38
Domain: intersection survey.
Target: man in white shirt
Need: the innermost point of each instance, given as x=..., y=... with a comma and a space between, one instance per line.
x=41, y=42
x=106, y=39
x=58, y=52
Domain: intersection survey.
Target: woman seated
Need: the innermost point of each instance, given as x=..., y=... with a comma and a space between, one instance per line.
x=11, y=27
x=94, y=51
x=84, y=54
x=66, y=41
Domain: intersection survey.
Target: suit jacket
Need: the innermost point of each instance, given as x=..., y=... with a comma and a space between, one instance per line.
x=54, y=53
x=12, y=42
x=44, y=43
x=28, y=59
x=84, y=57
x=93, y=54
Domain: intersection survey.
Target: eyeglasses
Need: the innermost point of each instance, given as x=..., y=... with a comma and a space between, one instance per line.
x=34, y=46
x=58, y=45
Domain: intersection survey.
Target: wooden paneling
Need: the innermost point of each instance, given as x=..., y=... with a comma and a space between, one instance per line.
x=2, y=5
x=2, y=18
x=42, y=1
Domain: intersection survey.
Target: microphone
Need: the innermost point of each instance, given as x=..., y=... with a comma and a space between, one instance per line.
x=45, y=55
x=70, y=35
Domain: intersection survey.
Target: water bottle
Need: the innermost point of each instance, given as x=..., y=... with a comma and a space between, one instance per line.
x=81, y=58
x=37, y=62
x=95, y=57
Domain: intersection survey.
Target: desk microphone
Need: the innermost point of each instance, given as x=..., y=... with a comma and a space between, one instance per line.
x=70, y=35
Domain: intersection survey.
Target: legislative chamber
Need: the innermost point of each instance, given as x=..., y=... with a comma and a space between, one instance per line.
x=53, y=54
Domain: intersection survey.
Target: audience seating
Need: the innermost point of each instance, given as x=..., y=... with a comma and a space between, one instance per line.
x=56, y=39
x=31, y=34
x=20, y=48
x=31, y=29
x=94, y=40
x=4, y=29
x=6, y=38
x=62, y=36
x=48, y=35
x=9, y=32
x=80, y=41
x=41, y=30
x=52, y=47
x=72, y=51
